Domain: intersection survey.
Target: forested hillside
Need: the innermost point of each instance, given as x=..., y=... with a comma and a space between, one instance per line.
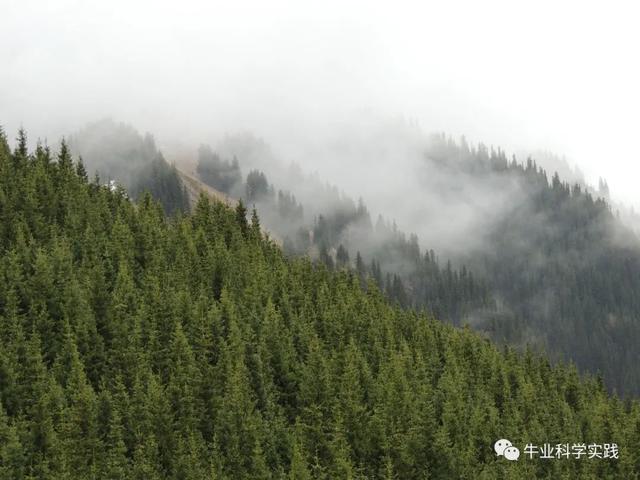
x=135, y=345
x=541, y=262
x=561, y=261
x=116, y=151
x=338, y=232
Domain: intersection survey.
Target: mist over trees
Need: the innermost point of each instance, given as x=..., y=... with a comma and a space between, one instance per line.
x=567, y=267
x=550, y=264
x=344, y=236
x=223, y=175
x=116, y=151
x=535, y=261
x=138, y=345
x=266, y=261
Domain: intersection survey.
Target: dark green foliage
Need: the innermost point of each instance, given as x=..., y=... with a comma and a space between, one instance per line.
x=257, y=188
x=556, y=269
x=289, y=208
x=118, y=153
x=565, y=268
x=163, y=182
x=342, y=256
x=415, y=279
x=222, y=175
x=135, y=345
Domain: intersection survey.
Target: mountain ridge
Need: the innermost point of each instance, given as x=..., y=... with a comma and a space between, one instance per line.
x=137, y=345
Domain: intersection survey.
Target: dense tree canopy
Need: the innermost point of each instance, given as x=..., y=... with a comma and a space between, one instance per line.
x=556, y=270
x=400, y=269
x=135, y=345
x=223, y=175
x=117, y=153
x=565, y=267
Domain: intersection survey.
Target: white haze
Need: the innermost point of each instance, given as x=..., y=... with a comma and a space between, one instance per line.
x=338, y=87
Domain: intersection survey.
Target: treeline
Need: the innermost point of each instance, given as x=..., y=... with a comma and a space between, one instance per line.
x=140, y=346
x=556, y=268
x=223, y=175
x=117, y=152
x=343, y=235
x=562, y=262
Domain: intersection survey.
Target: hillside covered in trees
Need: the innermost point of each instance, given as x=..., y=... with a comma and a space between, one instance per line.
x=561, y=261
x=541, y=262
x=136, y=345
x=117, y=152
x=333, y=229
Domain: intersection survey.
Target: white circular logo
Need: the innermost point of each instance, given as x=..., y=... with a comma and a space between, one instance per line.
x=503, y=447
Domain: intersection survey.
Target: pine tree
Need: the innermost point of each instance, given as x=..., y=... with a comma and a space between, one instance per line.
x=241, y=218
x=342, y=257
x=65, y=163
x=81, y=171
x=255, y=225
x=5, y=150
x=184, y=378
x=12, y=461
x=146, y=465
x=299, y=469
x=20, y=153
x=116, y=463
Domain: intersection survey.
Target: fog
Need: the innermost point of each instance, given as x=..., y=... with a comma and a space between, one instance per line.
x=336, y=102
x=318, y=81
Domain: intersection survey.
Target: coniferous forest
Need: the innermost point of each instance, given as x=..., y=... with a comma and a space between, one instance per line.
x=140, y=345
x=558, y=270
x=564, y=264
x=116, y=152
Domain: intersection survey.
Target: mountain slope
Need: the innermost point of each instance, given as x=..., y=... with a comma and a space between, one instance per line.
x=196, y=188
x=534, y=260
x=561, y=261
x=137, y=346
x=116, y=151
x=333, y=229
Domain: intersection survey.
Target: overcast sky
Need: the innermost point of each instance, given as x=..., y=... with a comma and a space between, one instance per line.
x=561, y=76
